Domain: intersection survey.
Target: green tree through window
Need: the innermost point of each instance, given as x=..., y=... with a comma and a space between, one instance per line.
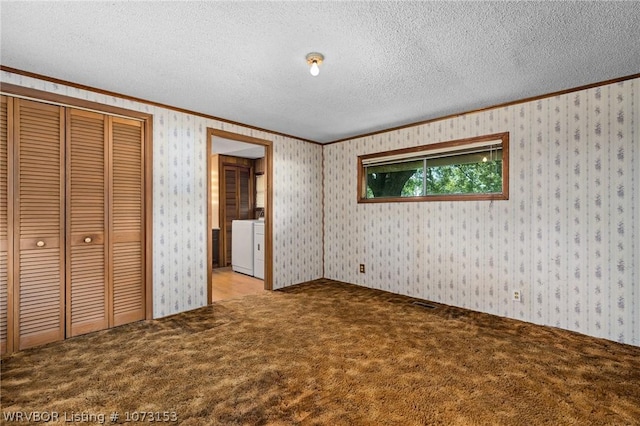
x=474, y=178
x=437, y=171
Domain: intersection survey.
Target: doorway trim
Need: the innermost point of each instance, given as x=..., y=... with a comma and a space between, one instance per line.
x=268, y=231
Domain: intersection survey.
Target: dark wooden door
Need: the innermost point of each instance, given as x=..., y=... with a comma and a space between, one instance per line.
x=237, y=201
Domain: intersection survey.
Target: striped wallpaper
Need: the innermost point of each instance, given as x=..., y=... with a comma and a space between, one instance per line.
x=179, y=200
x=568, y=238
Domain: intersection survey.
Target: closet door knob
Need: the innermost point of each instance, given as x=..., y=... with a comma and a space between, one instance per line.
x=40, y=243
x=87, y=239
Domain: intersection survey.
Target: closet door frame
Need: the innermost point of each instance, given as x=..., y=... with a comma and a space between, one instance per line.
x=12, y=90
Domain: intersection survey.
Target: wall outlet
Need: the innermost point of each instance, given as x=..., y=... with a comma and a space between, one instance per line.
x=362, y=268
x=517, y=296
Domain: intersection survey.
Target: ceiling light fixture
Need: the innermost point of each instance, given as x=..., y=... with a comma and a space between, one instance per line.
x=314, y=60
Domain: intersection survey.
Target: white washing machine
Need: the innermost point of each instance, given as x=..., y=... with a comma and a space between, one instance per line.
x=242, y=246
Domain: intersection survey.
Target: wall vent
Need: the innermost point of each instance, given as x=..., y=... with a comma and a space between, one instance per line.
x=423, y=304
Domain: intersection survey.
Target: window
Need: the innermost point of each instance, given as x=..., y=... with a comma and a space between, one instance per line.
x=467, y=169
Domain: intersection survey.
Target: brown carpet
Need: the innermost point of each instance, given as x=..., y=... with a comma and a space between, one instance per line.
x=328, y=353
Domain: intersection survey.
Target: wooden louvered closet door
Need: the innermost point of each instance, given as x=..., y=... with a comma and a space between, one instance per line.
x=237, y=201
x=4, y=228
x=72, y=227
x=244, y=195
x=230, y=208
x=127, y=207
x=87, y=279
x=38, y=210
x=105, y=285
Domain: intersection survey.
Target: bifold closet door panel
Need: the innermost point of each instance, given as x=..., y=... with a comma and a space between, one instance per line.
x=38, y=178
x=87, y=291
x=230, y=176
x=237, y=201
x=4, y=227
x=127, y=231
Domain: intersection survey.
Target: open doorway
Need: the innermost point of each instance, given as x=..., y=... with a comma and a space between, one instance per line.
x=239, y=193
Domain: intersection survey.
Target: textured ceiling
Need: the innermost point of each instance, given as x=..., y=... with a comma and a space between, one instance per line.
x=386, y=63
